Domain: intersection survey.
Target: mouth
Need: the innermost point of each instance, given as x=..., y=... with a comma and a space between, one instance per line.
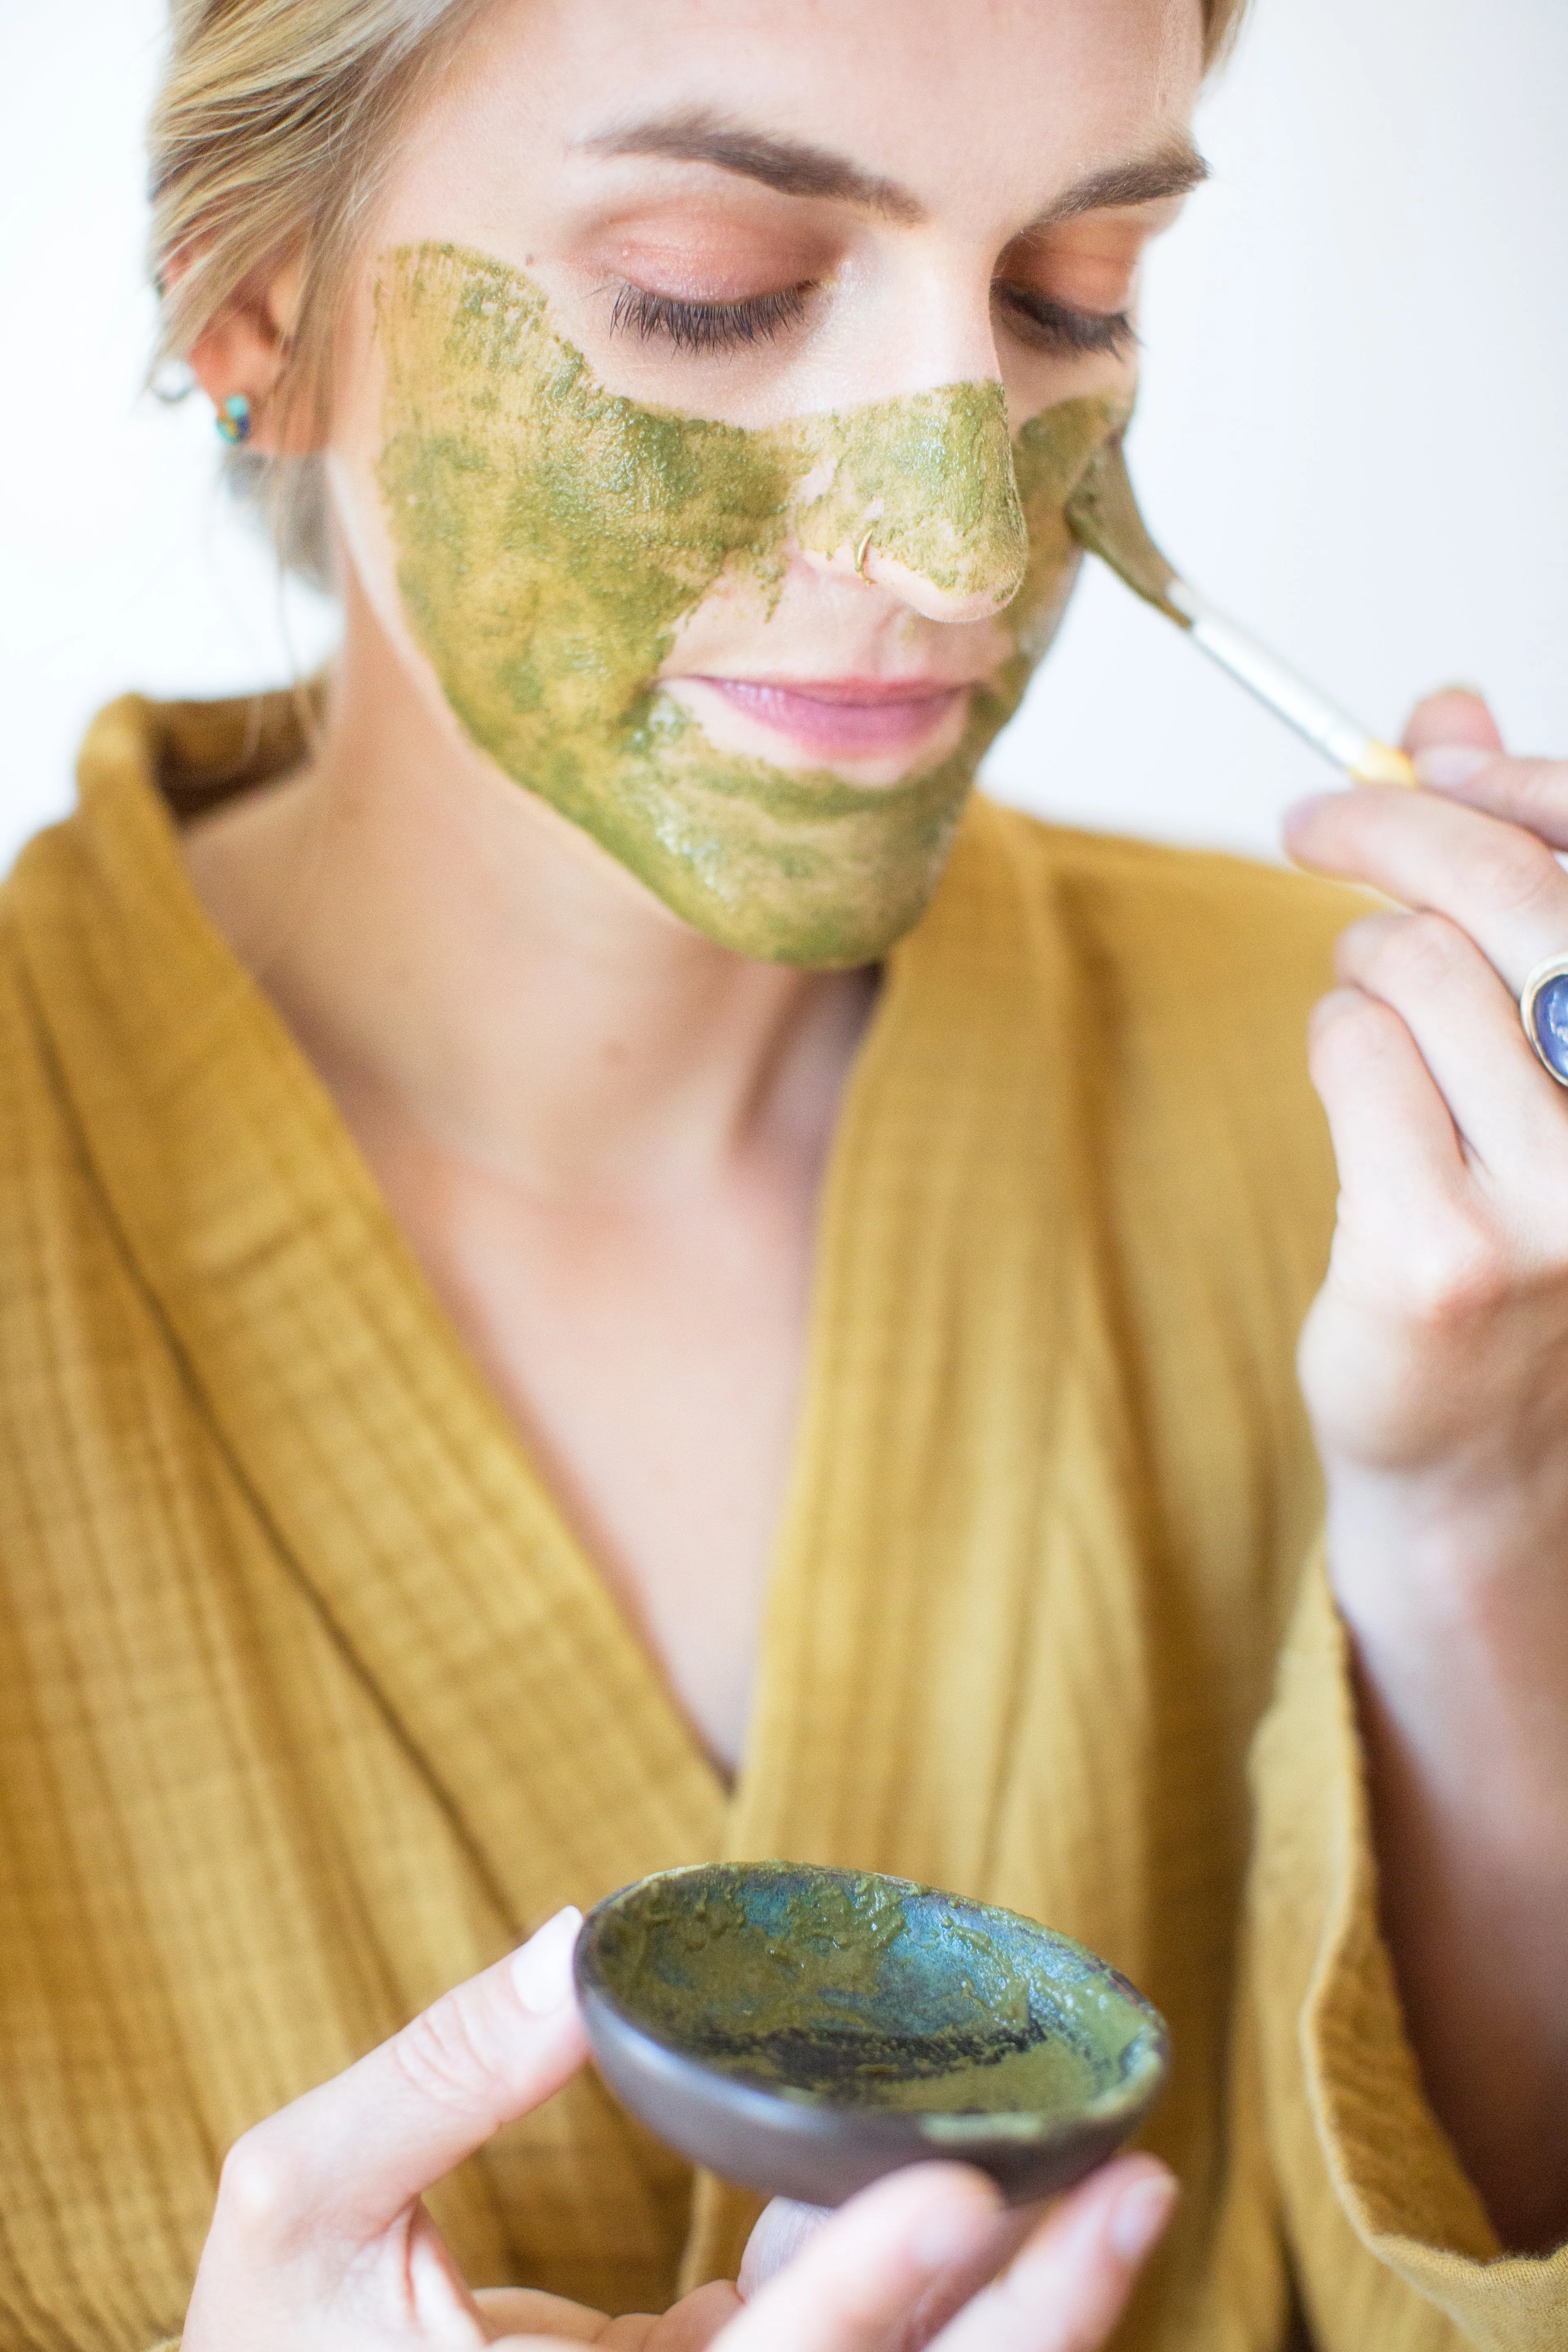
x=840, y=717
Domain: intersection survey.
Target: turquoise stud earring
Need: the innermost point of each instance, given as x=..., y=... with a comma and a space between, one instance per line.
x=234, y=418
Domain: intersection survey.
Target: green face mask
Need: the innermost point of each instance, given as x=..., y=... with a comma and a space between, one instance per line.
x=550, y=536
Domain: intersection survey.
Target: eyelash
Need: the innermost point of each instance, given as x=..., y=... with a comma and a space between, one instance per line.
x=705, y=326
x=709, y=326
x=1063, y=330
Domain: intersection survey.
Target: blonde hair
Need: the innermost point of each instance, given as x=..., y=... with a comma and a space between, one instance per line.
x=268, y=142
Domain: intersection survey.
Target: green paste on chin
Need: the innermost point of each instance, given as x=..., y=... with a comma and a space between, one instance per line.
x=551, y=535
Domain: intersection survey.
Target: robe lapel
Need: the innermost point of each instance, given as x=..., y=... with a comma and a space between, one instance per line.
x=393, y=1486
x=953, y=1573
x=911, y=1535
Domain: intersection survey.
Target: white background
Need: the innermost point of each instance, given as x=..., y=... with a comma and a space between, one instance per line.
x=1354, y=433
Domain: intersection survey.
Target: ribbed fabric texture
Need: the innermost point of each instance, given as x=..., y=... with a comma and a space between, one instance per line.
x=311, y=1704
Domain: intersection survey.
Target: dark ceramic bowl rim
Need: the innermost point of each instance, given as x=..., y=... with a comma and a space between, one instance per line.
x=810, y=2116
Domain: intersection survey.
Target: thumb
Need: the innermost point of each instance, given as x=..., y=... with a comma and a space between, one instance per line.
x=346, y=2159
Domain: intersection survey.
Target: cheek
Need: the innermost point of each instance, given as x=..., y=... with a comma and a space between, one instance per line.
x=1052, y=452
x=356, y=433
x=353, y=462
x=368, y=551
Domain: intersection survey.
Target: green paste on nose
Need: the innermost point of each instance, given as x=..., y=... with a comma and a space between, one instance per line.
x=551, y=536
x=930, y=477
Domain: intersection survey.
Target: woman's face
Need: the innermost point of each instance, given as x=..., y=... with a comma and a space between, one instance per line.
x=710, y=397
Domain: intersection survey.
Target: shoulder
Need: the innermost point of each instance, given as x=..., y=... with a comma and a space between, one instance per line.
x=1128, y=893
x=1193, y=975
x=78, y=891
x=25, y=1074
x=1207, y=960
x=44, y=1183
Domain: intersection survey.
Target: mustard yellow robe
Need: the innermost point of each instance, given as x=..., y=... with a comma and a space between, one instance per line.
x=311, y=1706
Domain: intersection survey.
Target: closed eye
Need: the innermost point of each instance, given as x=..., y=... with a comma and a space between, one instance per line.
x=705, y=326
x=709, y=326
x=1056, y=327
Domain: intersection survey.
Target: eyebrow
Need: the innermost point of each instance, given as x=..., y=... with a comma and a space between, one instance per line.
x=1171, y=171
x=794, y=168
x=790, y=166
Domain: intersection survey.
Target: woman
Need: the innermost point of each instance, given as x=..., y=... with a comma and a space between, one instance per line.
x=603, y=1266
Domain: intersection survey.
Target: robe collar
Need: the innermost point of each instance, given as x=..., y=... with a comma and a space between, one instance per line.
x=401, y=1497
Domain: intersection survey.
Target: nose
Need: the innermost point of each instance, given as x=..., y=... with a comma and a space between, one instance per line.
x=918, y=494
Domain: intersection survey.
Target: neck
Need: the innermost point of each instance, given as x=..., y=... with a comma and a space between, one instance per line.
x=453, y=954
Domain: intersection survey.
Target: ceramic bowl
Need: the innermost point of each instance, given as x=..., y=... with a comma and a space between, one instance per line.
x=804, y=2031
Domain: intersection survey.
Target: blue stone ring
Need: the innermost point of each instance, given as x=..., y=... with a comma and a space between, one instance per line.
x=1543, y=1009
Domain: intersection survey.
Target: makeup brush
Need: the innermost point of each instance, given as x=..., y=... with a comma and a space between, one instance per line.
x=1103, y=515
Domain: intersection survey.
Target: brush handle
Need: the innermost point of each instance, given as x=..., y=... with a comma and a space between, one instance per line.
x=1327, y=729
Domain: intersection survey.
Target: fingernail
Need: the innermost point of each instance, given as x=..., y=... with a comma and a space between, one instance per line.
x=542, y=1969
x=1139, y=2214
x=1444, y=765
x=1301, y=813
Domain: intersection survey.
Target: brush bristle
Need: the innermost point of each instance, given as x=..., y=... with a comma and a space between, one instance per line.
x=1103, y=515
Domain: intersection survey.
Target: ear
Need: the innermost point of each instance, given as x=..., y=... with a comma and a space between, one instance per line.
x=245, y=351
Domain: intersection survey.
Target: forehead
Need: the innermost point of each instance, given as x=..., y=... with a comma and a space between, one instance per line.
x=983, y=108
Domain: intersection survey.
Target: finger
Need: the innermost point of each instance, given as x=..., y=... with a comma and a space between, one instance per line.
x=696, y=2320
x=524, y=2344
x=1498, y=883
x=955, y=2286
x=640, y=2331
x=612, y=2337
x=1393, y=1133
x=512, y=2311
x=1069, y=2286
x=1458, y=750
x=1529, y=792
x=856, y=2284
x=1456, y=715
x=1467, y=1030
x=786, y=2229
x=782, y=2230
x=345, y=2161
x=512, y=2314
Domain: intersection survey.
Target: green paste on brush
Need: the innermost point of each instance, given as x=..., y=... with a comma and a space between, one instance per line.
x=551, y=537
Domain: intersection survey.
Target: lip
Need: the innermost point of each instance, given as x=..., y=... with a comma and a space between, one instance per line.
x=844, y=716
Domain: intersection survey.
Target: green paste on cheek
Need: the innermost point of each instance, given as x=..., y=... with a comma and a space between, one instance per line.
x=550, y=536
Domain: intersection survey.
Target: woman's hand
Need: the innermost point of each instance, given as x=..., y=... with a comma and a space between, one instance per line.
x=1436, y=1350
x=1434, y=1364
x=321, y=2238
x=928, y=2257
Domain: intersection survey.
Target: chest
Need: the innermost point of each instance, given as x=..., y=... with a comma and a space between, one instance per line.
x=651, y=1359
